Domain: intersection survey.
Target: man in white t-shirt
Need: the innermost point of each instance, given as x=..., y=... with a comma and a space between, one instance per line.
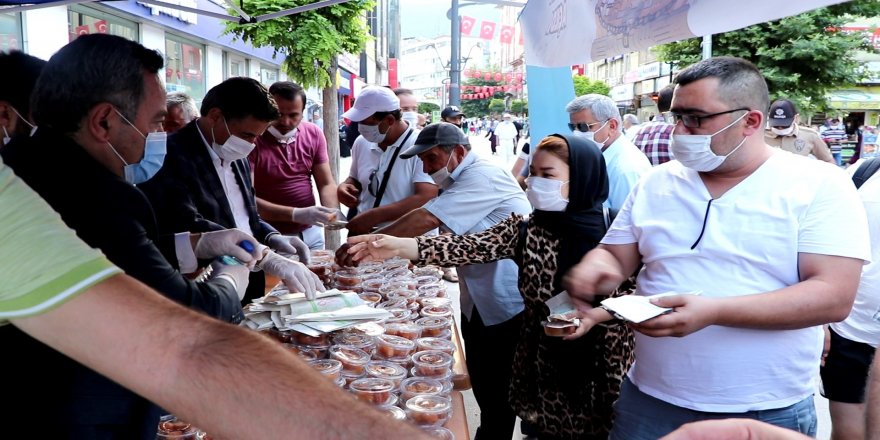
x=757, y=235
x=853, y=341
x=383, y=136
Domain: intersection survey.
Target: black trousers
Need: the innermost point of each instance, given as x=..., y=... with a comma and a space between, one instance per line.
x=489, y=353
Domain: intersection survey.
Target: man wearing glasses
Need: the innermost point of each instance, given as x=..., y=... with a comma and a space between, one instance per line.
x=596, y=118
x=380, y=186
x=747, y=239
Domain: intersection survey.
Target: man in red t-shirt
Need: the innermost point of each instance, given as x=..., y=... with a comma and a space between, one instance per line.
x=287, y=156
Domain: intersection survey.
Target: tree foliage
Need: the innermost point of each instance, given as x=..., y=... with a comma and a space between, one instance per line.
x=309, y=40
x=584, y=86
x=496, y=105
x=519, y=106
x=802, y=56
x=427, y=107
x=480, y=107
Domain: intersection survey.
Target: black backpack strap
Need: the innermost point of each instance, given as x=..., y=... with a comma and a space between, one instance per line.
x=865, y=171
x=387, y=175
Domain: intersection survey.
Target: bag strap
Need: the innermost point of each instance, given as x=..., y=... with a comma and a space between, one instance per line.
x=387, y=174
x=520, y=249
x=865, y=171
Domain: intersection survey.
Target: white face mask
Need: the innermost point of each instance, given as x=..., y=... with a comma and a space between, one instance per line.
x=411, y=117
x=783, y=131
x=442, y=175
x=695, y=150
x=234, y=148
x=284, y=138
x=6, y=137
x=546, y=194
x=591, y=135
x=371, y=133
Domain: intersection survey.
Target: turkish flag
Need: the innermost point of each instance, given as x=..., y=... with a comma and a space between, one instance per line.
x=508, y=76
x=487, y=76
x=487, y=30
x=82, y=30
x=506, y=34
x=101, y=26
x=466, y=24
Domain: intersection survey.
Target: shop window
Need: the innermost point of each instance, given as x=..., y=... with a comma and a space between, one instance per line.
x=10, y=32
x=268, y=75
x=84, y=21
x=184, y=66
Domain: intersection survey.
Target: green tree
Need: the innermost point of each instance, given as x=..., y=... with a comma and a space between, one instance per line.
x=520, y=106
x=480, y=107
x=584, y=86
x=496, y=105
x=427, y=107
x=310, y=42
x=802, y=56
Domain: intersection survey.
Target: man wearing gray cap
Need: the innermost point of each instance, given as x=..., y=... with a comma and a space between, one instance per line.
x=783, y=132
x=477, y=194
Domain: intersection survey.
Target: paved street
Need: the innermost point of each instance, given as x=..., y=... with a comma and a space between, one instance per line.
x=480, y=145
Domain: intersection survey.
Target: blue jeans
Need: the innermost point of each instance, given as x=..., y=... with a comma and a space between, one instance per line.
x=639, y=416
x=837, y=157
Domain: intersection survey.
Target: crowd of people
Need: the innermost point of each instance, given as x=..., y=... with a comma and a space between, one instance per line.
x=119, y=192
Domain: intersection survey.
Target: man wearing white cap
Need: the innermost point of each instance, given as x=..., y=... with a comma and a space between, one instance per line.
x=379, y=186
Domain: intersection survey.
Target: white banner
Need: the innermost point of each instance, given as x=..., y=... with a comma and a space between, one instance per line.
x=560, y=33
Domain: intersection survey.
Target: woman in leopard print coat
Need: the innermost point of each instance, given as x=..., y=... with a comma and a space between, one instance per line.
x=563, y=387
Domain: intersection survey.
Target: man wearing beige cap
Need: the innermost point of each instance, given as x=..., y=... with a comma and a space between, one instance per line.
x=784, y=132
x=379, y=186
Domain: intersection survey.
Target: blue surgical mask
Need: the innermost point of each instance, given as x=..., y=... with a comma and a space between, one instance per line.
x=154, y=156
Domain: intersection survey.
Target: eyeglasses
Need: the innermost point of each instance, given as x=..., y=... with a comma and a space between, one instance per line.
x=584, y=127
x=693, y=121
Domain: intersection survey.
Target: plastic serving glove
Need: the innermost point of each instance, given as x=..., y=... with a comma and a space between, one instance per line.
x=296, y=276
x=226, y=242
x=285, y=244
x=236, y=274
x=313, y=215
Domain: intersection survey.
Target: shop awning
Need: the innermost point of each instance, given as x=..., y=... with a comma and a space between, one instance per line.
x=854, y=100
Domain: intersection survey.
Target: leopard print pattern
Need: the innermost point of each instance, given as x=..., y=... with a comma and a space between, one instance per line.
x=565, y=388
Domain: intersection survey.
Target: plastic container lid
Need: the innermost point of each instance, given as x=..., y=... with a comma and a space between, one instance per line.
x=386, y=370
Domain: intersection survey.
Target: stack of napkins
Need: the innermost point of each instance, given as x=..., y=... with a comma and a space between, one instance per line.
x=637, y=308
x=331, y=310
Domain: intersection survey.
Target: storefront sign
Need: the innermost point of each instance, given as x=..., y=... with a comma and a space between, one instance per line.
x=186, y=17
x=645, y=71
x=622, y=93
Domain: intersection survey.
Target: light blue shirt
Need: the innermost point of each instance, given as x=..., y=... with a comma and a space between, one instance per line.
x=482, y=195
x=625, y=164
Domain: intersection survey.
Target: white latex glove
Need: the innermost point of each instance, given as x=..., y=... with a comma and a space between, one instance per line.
x=226, y=242
x=314, y=215
x=296, y=276
x=236, y=274
x=286, y=244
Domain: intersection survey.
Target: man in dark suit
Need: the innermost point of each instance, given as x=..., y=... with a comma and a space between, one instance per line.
x=206, y=184
x=100, y=135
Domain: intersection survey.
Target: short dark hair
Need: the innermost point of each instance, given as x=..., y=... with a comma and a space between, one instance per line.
x=90, y=70
x=664, y=98
x=18, y=76
x=403, y=91
x=240, y=97
x=289, y=91
x=396, y=113
x=740, y=83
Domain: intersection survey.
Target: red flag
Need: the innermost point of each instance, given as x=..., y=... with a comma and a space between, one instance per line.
x=498, y=76
x=101, y=26
x=466, y=24
x=506, y=34
x=487, y=30
x=487, y=76
x=82, y=30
